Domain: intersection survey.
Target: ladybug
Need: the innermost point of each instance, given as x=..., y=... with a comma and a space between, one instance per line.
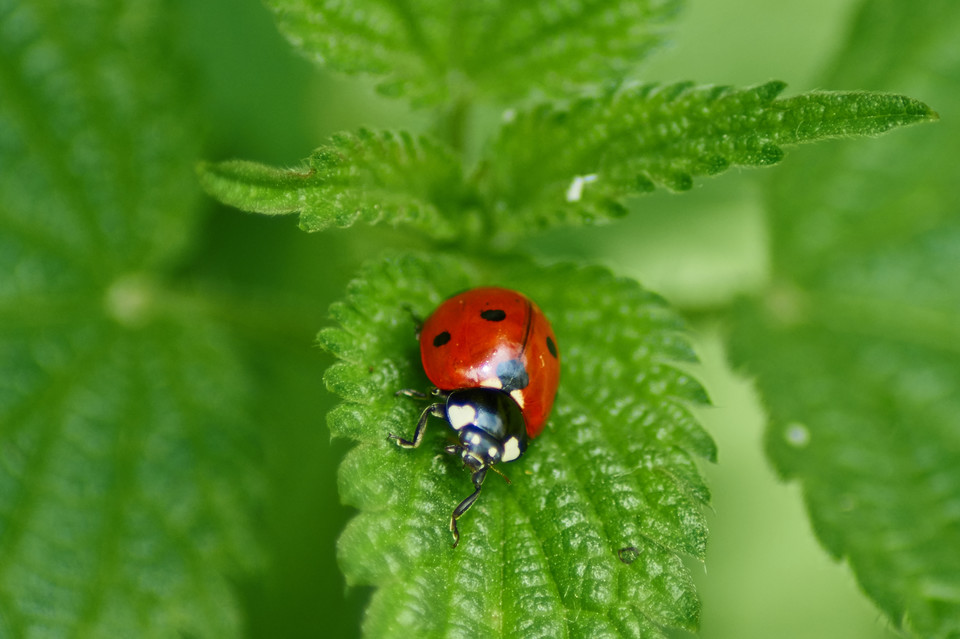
x=492, y=356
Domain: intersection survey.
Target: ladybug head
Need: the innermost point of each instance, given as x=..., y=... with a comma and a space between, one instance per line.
x=477, y=448
x=489, y=424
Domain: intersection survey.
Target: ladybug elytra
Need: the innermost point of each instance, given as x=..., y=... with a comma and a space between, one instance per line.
x=492, y=356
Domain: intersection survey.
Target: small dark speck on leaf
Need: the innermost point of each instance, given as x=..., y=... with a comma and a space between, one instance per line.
x=629, y=554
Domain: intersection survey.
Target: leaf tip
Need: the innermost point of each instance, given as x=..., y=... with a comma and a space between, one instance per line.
x=931, y=115
x=205, y=170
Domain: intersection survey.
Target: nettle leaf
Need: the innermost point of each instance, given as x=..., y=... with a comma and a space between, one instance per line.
x=126, y=473
x=614, y=470
x=855, y=342
x=370, y=177
x=437, y=51
x=569, y=165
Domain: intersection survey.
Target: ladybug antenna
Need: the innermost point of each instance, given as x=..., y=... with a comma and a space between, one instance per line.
x=417, y=320
x=497, y=471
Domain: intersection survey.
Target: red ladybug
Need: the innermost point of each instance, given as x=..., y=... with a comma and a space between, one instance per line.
x=493, y=358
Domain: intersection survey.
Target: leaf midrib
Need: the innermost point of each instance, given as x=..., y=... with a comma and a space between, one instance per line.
x=54, y=393
x=126, y=450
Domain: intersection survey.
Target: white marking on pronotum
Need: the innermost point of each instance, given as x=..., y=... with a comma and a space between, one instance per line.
x=511, y=449
x=575, y=190
x=460, y=415
x=517, y=396
x=492, y=382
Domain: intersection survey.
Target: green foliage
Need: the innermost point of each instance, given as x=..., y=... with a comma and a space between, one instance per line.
x=128, y=474
x=438, y=52
x=594, y=485
x=614, y=469
x=577, y=163
x=367, y=177
x=552, y=165
x=855, y=342
x=126, y=471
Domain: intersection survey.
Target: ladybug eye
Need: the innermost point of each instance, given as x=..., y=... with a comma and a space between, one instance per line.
x=551, y=346
x=493, y=315
x=441, y=339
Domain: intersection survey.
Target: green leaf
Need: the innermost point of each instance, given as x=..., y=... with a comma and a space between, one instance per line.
x=369, y=177
x=438, y=52
x=614, y=469
x=577, y=164
x=855, y=341
x=126, y=471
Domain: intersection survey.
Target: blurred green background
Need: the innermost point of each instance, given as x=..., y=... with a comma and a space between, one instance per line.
x=765, y=575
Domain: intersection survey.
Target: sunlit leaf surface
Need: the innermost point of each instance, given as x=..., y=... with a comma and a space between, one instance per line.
x=615, y=468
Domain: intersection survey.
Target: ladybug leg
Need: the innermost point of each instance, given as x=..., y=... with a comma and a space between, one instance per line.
x=433, y=409
x=416, y=394
x=410, y=392
x=464, y=505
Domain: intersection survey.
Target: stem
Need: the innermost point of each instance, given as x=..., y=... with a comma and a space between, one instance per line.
x=452, y=126
x=134, y=300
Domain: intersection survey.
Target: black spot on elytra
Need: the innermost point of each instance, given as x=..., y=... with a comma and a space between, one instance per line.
x=551, y=346
x=512, y=375
x=494, y=315
x=441, y=338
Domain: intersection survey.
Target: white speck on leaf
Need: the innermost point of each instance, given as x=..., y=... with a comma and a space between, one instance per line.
x=797, y=435
x=575, y=190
